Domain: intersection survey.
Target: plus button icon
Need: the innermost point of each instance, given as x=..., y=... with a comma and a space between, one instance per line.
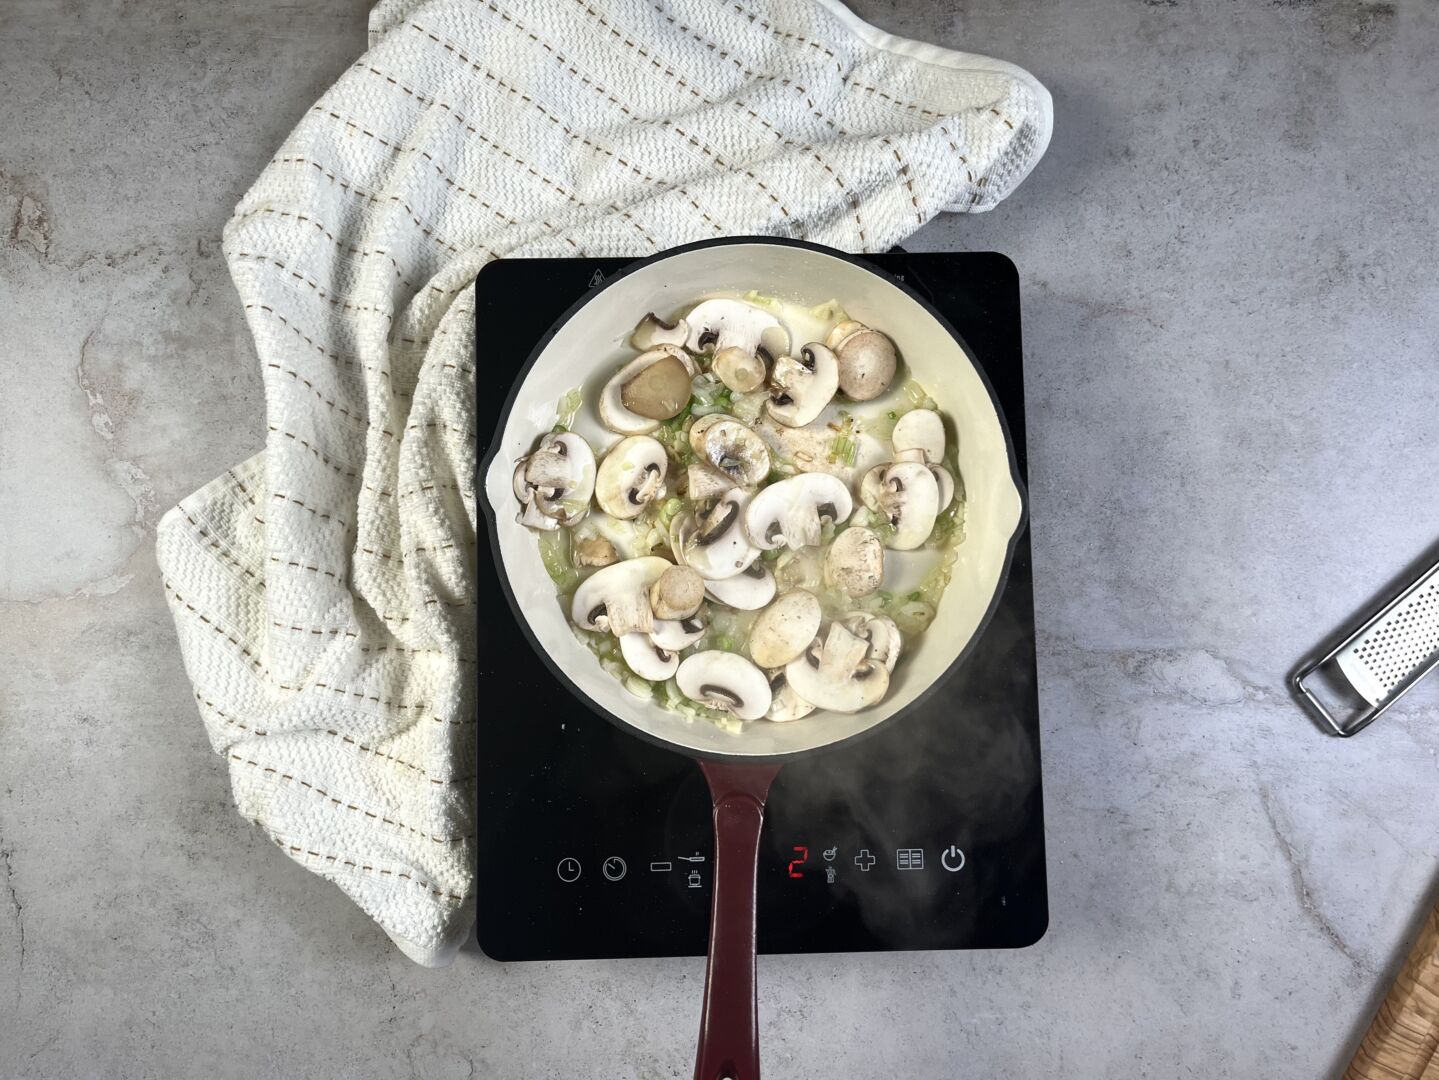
x=864, y=860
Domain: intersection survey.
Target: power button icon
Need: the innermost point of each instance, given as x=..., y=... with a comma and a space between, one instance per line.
x=952, y=859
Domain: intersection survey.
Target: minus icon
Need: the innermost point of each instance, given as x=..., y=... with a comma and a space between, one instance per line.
x=660, y=867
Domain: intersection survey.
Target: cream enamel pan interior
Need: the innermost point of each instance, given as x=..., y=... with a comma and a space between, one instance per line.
x=589, y=346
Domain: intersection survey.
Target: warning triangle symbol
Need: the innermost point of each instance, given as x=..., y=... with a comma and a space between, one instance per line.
x=596, y=278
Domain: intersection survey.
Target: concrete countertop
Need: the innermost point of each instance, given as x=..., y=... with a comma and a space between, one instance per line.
x=1231, y=318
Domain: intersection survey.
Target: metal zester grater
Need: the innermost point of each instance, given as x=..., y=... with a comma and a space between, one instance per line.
x=1384, y=657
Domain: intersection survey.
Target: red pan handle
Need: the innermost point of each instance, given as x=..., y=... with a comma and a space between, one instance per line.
x=729, y=1024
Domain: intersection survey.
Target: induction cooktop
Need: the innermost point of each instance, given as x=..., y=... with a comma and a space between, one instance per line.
x=594, y=843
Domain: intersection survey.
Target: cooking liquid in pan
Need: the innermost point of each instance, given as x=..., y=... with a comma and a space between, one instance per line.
x=846, y=440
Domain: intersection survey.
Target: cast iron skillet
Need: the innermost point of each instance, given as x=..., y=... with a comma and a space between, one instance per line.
x=583, y=348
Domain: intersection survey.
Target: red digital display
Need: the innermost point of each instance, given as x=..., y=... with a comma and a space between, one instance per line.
x=796, y=864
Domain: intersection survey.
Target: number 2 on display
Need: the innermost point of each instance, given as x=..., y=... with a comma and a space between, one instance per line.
x=796, y=864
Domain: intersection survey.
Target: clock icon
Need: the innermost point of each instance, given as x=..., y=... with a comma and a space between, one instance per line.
x=614, y=868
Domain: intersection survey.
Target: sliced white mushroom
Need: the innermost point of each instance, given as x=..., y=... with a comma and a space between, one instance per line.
x=785, y=704
x=867, y=360
x=703, y=481
x=907, y=497
x=616, y=599
x=800, y=387
x=726, y=681
x=731, y=447
x=785, y=628
x=676, y=634
x=677, y=593
x=855, y=562
x=532, y=517
x=871, y=485
x=885, y=640
x=703, y=424
x=556, y=481
x=946, y=486
x=834, y=673
x=739, y=370
x=715, y=543
x=646, y=659
x=613, y=412
x=749, y=590
x=725, y=324
x=631, y=476
x=653, y=331
x=793, y=511
x=519, y=484
x=842, y=330
x=919, y=436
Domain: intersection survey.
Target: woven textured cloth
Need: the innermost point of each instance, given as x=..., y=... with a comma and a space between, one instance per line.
x=323, y=591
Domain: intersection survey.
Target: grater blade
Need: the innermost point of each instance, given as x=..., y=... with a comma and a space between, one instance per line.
x=1385, y=657
x=1403, y=639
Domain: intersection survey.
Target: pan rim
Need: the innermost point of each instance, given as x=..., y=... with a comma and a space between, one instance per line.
x=521, y=377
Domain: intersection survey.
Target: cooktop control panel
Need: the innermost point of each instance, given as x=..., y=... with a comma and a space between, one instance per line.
x=928, y=835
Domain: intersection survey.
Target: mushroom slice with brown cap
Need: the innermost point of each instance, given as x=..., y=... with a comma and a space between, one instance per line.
x=631, y=476
x=800, y=387
x=720, y=324
x=659, y=391
x=867, y=360
x=834, y=673
x=785, y=704
x=616, y=599
x=726, y=681
x=793, y=512
x=646, y=659
x=785, y=628
x=677, y=593
x=885, y=640
x=919, y=436
x=732, y=448
x=653, y=331
x=556, y=481
x=855, y=562
x=908, y=498
x=715, y=543
x=673, y=635
x=749, y=590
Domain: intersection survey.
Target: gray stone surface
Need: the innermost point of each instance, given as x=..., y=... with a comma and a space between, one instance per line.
x=1228, y=263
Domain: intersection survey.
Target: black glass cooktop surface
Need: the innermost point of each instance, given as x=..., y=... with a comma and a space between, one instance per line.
x=594, y=843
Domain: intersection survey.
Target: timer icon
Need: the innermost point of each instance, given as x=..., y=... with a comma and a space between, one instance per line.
x=614, y=868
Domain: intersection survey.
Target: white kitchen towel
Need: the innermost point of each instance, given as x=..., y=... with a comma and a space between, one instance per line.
x=323, y=591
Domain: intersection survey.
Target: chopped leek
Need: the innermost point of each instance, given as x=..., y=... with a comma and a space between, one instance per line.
x=567, y=408
x=830, y=311
x=759, y=299
x=555, y=554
